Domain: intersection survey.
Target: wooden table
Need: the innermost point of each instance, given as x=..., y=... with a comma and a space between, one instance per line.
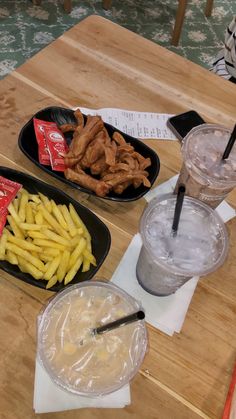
x=99, y=64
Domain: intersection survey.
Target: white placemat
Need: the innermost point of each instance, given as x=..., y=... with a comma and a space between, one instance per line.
x=165, y=187
x=164, y=313
x=48, y=397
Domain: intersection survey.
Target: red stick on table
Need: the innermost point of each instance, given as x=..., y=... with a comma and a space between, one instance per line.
x=230, y=402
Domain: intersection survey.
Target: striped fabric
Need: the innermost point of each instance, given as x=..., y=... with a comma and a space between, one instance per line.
x=225, y=63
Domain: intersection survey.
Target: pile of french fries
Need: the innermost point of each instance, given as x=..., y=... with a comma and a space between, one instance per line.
x=46, y=240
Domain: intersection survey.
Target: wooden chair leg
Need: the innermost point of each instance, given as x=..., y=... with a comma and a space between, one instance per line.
x=209, y=7
x=179, y=21
x=68, y=6
x=106, y=4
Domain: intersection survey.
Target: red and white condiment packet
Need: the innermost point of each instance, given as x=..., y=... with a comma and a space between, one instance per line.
x=8, y=191
x=43, y=153
x=3, y=219
x=57, y=147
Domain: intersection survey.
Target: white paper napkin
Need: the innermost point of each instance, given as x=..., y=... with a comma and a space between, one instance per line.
x=48, y=397
x=165, y=313
x=165, y=187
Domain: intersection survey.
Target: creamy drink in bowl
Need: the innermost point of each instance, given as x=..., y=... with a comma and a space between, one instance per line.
x=205, y=175
x=166, y=261
x=83, y=363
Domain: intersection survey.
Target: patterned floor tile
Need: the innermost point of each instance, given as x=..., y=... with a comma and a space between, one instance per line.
x=26, y=28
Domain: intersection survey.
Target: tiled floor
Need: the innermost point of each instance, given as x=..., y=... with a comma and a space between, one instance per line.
x=25, y=28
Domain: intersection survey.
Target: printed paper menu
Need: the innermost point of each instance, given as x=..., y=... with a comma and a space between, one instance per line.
x=143, y=125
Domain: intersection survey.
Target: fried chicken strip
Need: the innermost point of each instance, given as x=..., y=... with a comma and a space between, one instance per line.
x=99, y=166
x=67, y=128
x=81, y=141
x=121, y=177
x=70, y=159
x=80, y=120
x=118, y=138
x=143, y=163
x=98, y=186
x=115, y=162
x=129, y=160
x=119, y=189
x=110, y=154
x=118, y=167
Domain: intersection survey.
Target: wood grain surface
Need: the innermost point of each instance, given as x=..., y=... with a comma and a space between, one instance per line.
x=99, y=64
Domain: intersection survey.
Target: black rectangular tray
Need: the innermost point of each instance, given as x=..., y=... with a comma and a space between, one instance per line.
x=101, y=238
x=28, y=145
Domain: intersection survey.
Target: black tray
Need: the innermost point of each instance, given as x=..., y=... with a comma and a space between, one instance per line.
x=101, y=238
x=28, y=145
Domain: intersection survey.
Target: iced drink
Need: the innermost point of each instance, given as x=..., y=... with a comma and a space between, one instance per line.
x=165, y=262
x=77, y=360
x=205, y=175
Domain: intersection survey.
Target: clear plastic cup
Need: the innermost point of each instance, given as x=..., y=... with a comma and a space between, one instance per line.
x=165, y=262
x=76, y=360
x=205, y=175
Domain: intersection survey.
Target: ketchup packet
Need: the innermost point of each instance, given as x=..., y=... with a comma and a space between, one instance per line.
x=39, y=127
x=3, y=219
x=57, y=147
x=8, y=191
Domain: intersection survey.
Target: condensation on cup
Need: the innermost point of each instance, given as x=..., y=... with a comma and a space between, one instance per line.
x=80, y=362
x=205, y=175
x=165, y=262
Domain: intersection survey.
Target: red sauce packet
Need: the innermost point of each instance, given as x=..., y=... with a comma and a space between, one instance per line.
x=57, y=147
x=43, y=153
x=3, y=219
x=8, y=191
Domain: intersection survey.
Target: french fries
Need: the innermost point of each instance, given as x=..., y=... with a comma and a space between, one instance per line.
x=3, y=243
x=22, y=206
x=48, y=241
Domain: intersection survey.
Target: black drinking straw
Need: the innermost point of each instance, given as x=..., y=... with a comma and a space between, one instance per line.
x=230, y=144
x=139, y=315
x=178, y=208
